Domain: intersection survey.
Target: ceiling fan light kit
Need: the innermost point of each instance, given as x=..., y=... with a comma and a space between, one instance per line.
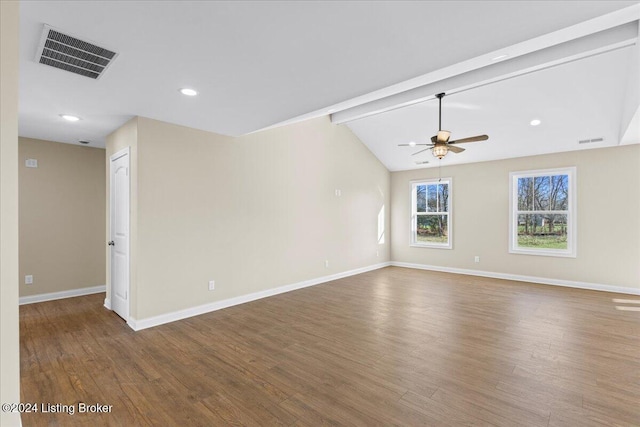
x=440, y=151
x=440, y=144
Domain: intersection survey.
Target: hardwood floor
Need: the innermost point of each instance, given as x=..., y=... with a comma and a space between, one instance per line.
x=389, y=347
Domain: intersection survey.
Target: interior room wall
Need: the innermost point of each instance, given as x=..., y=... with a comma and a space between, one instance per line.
x=62, y=217
x=9, y=326
x=608, y=215
x=252, y=213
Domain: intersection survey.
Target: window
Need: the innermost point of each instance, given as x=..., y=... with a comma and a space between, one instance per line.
x=543, y=220
x=431, y=213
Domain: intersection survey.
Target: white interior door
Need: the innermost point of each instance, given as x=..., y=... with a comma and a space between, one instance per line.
x=119, y=242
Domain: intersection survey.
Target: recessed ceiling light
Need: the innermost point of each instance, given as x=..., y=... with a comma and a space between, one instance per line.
x=69, y=117
x=535, y=122
x=412, y=144
x=188, y=92
x=500, y=57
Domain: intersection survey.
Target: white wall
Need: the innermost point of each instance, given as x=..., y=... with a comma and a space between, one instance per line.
x=631, y=106
x=608, y=216
x=253, y=213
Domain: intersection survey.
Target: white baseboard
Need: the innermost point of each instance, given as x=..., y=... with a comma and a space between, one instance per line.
x=107, y=303
x=62, y=294
x=520, y=278
x=139, y=324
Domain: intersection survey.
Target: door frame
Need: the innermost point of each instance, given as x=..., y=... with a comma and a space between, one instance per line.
x=124, y=152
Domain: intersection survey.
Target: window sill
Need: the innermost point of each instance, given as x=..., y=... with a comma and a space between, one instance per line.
x=542, y=252
x=432, y=246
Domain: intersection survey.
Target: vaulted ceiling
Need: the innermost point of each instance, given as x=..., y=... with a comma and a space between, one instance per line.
x=374, y=66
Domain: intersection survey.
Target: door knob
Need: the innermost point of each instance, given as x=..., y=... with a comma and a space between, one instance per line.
x=112, y=243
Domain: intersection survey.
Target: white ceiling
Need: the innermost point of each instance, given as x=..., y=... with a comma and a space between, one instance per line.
x=575, y=101
x=257, y=64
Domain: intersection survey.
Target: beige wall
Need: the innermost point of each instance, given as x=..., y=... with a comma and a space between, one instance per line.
x=9, y=329
x=608, y=187
x=251, y=213
x=62, y=216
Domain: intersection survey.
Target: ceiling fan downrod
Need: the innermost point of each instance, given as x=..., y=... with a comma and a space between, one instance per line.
x=440, y=96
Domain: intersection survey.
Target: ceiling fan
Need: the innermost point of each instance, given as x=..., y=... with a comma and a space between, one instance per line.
x=440, y=144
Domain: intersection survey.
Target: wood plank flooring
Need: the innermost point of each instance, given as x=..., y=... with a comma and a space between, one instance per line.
x=389, y=347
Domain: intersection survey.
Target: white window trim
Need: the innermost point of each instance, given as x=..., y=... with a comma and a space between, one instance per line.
x=571, y=251
x=413, y=243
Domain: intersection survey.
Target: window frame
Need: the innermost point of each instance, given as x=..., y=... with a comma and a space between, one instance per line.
x=414, y=213
x=571, y=212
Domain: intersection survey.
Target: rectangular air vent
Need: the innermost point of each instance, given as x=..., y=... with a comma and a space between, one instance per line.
x=69, y=53
x=588, y=141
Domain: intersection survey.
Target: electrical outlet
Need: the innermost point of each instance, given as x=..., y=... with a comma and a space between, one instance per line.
x=338, y=192
x=326, y=263
x=212, y=285
x=477, y=259
x=28, y=279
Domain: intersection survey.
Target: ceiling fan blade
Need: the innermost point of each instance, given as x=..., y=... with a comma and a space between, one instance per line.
x=455, y=149
x=443, y=136
x=421, y=151
x=470, y=139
